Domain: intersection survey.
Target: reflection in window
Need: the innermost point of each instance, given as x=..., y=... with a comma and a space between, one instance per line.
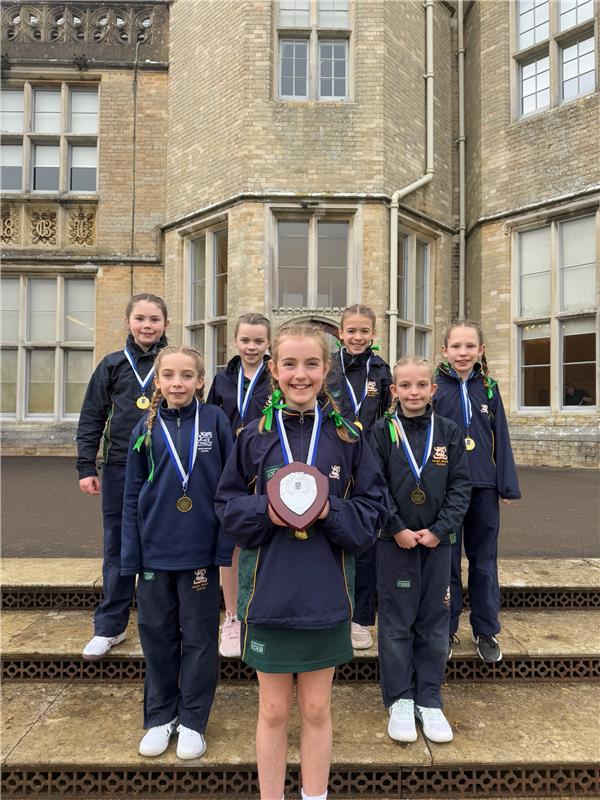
x=534, y=272
x=333, y=73
x=293, y=68
x=11, y=177
x=293, y=263
x=11, y=110
x=578, y=69
x=535, y=85
x=294, y=13
x=535, y=365
x=577, y=264
x=46, y=111
x=533, y=21
x=579, y=361
x=332, y=264
x=46, y=168
x=572, y=12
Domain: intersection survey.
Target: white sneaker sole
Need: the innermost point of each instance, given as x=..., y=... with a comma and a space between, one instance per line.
x=99, y=656
x=485, y=661
x=433, y=738
x=190, y=756
x=406, y=738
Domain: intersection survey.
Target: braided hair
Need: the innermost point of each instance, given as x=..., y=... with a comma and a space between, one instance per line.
x=488, y=382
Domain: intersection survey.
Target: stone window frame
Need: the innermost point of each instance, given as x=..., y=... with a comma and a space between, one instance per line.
x=207, y=334
x=407, y=328
x=556, y=316
x=60, y=344
x=28, y=138
x=552, y=47
x=314, y=210
x=313, y=34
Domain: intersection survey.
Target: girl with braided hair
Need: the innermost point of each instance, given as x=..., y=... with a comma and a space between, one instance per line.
x=467, y=395
x=296, y=586
x=173, y=541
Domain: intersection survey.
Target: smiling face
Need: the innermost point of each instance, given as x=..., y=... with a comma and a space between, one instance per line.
x=300, y=370
x=146, y=323
x=357, y=333
x=413, y=388
x=252, y=342
x=463, y=350
x=177, y=378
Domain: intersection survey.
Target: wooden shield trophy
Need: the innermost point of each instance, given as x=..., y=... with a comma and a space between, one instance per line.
x=298, y=493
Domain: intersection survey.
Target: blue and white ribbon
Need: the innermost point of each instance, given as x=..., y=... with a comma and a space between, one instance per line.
x=412, y=462
x=244, y=401
x=314, y=438
x=193, y=448
x=465, y=402
x=143, y=382
x=356, y=404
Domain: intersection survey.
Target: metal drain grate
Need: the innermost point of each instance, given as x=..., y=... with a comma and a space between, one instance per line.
x=358, y=670
x=345, y=781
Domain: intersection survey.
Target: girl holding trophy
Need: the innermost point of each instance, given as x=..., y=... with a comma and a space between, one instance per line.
x=301, y=495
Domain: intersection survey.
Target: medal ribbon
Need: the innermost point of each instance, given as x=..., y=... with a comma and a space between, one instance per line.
x=193, y=449
x=465, y=402
x=412, y=462
x=314, y=438
x=356, y=404
x=143, y=382
x=244, y=402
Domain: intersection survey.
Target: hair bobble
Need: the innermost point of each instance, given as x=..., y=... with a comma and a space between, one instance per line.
x=340, y=422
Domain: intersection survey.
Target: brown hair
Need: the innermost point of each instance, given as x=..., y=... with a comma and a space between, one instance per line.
x=290, y=330
x=405, y=361
x=157, y=396
x=252, y=318
x=150, y=298
x=364, y=311
x=469, y=323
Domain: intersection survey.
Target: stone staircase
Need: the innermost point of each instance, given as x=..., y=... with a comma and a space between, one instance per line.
x=526, y=727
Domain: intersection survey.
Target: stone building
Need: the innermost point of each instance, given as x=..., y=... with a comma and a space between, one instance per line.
x=428, y=159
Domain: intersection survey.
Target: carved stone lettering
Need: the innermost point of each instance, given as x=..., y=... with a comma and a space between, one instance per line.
x=43, y=227
x=10, y=226
x=81, y=228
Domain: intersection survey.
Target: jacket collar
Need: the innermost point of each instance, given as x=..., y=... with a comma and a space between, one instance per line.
x=186, y=412
x=415, y=423
x=137, y=351
x=447, y=371
x=234, y=364
x=359, y=360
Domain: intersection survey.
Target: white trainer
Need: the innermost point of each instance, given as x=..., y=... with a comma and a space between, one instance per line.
x=401, y=726
x=361, y=637
x=435, y=725
x=156, y=740
x=99, y=646
x=230, y=645
x=190, y=744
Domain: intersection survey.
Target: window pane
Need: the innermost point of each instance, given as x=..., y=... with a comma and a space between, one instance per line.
x=579, y=361
x=578, y=267
x=332, y=62
x=9, y=309
x=220, y=274
x=42, y=310
x=83, y=169
x=331, y=288
x=45, y=170
x=78, y=368
x=198, y=279
x=534, y=269
x=578, y=66
x=422, y=343
x=402, y=277
x=535, y=365
x=84, y=111
x=294, y=13
x=11, y=110
x=332, y=263
x=80, y=308
x=293, y=287
x=334, y=13
x=221, y=347
x=293, y=60
x=46, y=117
x=11, y=176
x=401, y=346
x=292, y=240
x=198, y=340
x=8, y=380
x=533, y=22
x=40, y=382
x=421, y=283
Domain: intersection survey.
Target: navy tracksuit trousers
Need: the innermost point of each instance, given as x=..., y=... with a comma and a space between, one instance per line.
x=480, y=530
x=365, y=581
x=112, y=615
x=414, y=613
x=178, y=621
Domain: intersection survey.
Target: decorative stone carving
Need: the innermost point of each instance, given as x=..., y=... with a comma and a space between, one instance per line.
x=10, y=226
x=43, y=227
x=81, y=228
x=81, y=23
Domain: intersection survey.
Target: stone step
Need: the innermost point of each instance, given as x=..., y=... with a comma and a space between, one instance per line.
x=514, y=740
x=536, y=644
x=76, y=583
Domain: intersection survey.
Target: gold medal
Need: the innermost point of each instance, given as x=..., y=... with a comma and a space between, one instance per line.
x=142, y=402
x=418, y=496
x=469, y=443
x=302, y=535
x=184, y=504
x=239, y=429
x=358, y=424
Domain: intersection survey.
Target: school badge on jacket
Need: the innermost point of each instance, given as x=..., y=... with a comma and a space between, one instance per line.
x=200, y=580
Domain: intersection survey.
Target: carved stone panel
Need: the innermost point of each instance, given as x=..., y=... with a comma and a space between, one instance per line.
x=81, y=228
x=43, y=227
x=11, y=228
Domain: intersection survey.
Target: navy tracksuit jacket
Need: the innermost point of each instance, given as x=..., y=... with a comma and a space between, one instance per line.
x=493, y=474
x=374, y=406
x=109, y=413
x=286, y=582
x=223, y=392
x=413, y=584
x=177, y=556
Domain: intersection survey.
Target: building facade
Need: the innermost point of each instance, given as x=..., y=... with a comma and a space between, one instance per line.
x=247, y=154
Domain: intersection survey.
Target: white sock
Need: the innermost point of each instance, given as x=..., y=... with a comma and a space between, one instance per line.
x=313, y=796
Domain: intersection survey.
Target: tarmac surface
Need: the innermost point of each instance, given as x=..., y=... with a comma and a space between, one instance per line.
x=44, y=514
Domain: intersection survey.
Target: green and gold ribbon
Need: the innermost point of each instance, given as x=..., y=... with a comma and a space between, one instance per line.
x=340, y=422
x=275, y=404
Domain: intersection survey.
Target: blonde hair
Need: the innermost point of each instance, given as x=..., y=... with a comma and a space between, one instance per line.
x=298, y=330
x=405, y=361
x=157, y=396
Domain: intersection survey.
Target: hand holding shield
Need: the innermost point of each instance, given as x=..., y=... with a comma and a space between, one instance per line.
x=298, y=493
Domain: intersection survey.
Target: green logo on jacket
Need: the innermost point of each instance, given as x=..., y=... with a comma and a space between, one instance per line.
x=402, y=584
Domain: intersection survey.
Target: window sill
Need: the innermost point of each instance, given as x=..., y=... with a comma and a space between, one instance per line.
x=55, y=197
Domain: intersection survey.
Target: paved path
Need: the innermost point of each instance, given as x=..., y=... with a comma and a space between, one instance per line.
x=45, y=514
